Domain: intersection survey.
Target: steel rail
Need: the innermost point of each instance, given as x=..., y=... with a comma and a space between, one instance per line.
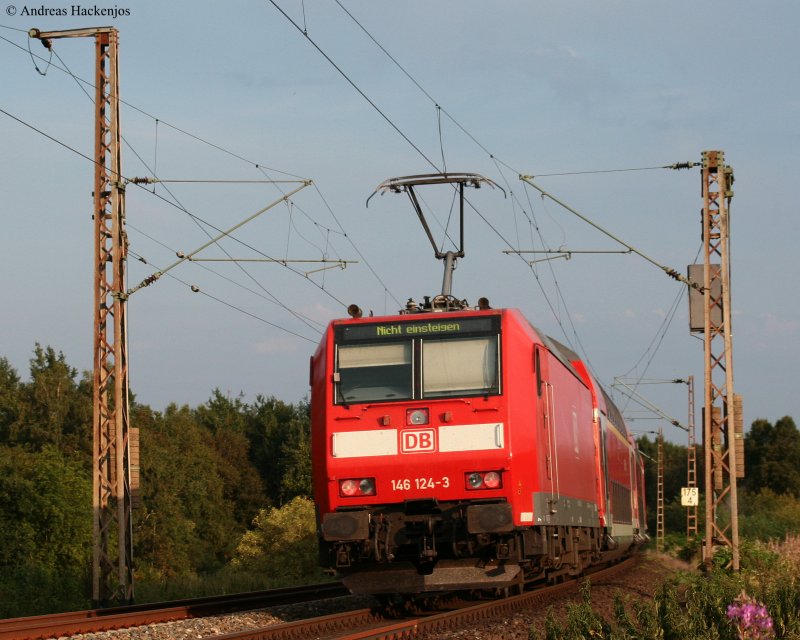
x=451, y=620
x=367, y=624
x=94, y=620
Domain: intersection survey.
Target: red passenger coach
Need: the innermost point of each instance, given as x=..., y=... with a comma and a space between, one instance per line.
x=464, y=449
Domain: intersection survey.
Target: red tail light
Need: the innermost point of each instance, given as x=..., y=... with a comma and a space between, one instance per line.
x=356, y=487
x=478, y=480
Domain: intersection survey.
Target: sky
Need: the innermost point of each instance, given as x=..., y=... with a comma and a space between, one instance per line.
x=351, y=93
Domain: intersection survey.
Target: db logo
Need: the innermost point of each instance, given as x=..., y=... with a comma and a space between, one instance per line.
x=417, y=440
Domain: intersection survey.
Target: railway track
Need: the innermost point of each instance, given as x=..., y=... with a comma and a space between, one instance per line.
x=95, y=620
x=358, y=624
x=366, y=624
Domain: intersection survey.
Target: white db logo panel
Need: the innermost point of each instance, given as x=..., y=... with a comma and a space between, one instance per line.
x=418, y=440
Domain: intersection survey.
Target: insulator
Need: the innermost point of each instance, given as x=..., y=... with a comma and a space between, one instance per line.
x=683, y=165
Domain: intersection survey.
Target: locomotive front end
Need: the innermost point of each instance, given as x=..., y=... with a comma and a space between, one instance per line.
x=411, y=450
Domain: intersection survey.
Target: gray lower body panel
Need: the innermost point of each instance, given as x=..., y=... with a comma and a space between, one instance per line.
x=550, y=509
x=447, y=575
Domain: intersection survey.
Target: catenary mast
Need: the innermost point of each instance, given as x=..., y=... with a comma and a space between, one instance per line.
x=115, y=444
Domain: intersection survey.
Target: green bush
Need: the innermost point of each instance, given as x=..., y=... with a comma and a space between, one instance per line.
x=768, y=516
x=282, y=542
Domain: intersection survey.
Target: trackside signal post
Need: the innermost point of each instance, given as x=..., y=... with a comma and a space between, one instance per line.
x=691, y=468
x=722, y=424
x=114, y=442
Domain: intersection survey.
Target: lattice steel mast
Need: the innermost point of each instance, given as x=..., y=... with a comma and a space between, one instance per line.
x=719, y=416
x=660, y=493
x=113, y=440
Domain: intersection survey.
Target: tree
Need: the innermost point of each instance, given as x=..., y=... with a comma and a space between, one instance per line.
x=45, y=508
x=296, y=456
x=771, y=457
x=226, y=419
x=768, y=516
x=241, y=484
x=283, y=541
x=53, y=408
x=186, y=524
x=45, y=530
x=9, y=399
x=279, y=435
x=221, y=413
x=205, y=475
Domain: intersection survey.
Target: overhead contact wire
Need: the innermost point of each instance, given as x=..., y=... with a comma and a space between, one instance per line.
x=93, y=161
x=357, y=250
x=658, y=338
x=354, y=85
x=440, y=109
x=404, y=136
x=259, y=166
x=274, y=298
x=163, y=122
x=196, y=289
x=128, y=225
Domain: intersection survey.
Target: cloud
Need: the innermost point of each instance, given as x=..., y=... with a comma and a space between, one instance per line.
x=321, y=313
x=775, y=327
x=574, y=78
x=274, y=346
x=629, y=313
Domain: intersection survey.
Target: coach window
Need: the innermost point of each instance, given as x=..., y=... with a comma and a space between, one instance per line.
x=371, y=372
x=459, y=367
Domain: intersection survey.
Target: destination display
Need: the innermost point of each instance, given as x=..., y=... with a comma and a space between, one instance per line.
x=417, y=329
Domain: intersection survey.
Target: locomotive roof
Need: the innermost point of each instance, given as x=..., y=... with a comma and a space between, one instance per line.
x=564, y=354
x=614, y=414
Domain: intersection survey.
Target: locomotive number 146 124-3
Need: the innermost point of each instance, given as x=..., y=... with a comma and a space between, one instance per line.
x=404, y=484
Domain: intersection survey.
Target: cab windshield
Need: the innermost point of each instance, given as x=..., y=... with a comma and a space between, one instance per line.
x=375, y=372
x=417, y=368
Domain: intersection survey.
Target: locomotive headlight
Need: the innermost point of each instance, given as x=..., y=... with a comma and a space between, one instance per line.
x=477, y=480
x=417, y=416
x=355, y=487
x=474, y=481
x=367, y=487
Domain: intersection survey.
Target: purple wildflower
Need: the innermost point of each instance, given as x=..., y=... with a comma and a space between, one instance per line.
x=750, y=618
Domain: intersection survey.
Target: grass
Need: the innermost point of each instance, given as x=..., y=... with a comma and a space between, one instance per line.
x=30, y=591
x=718, y=605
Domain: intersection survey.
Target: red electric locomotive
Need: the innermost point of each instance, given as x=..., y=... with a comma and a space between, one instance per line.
x=457, y=448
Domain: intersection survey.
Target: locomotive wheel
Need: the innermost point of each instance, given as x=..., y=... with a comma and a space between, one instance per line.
x=396, y=605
